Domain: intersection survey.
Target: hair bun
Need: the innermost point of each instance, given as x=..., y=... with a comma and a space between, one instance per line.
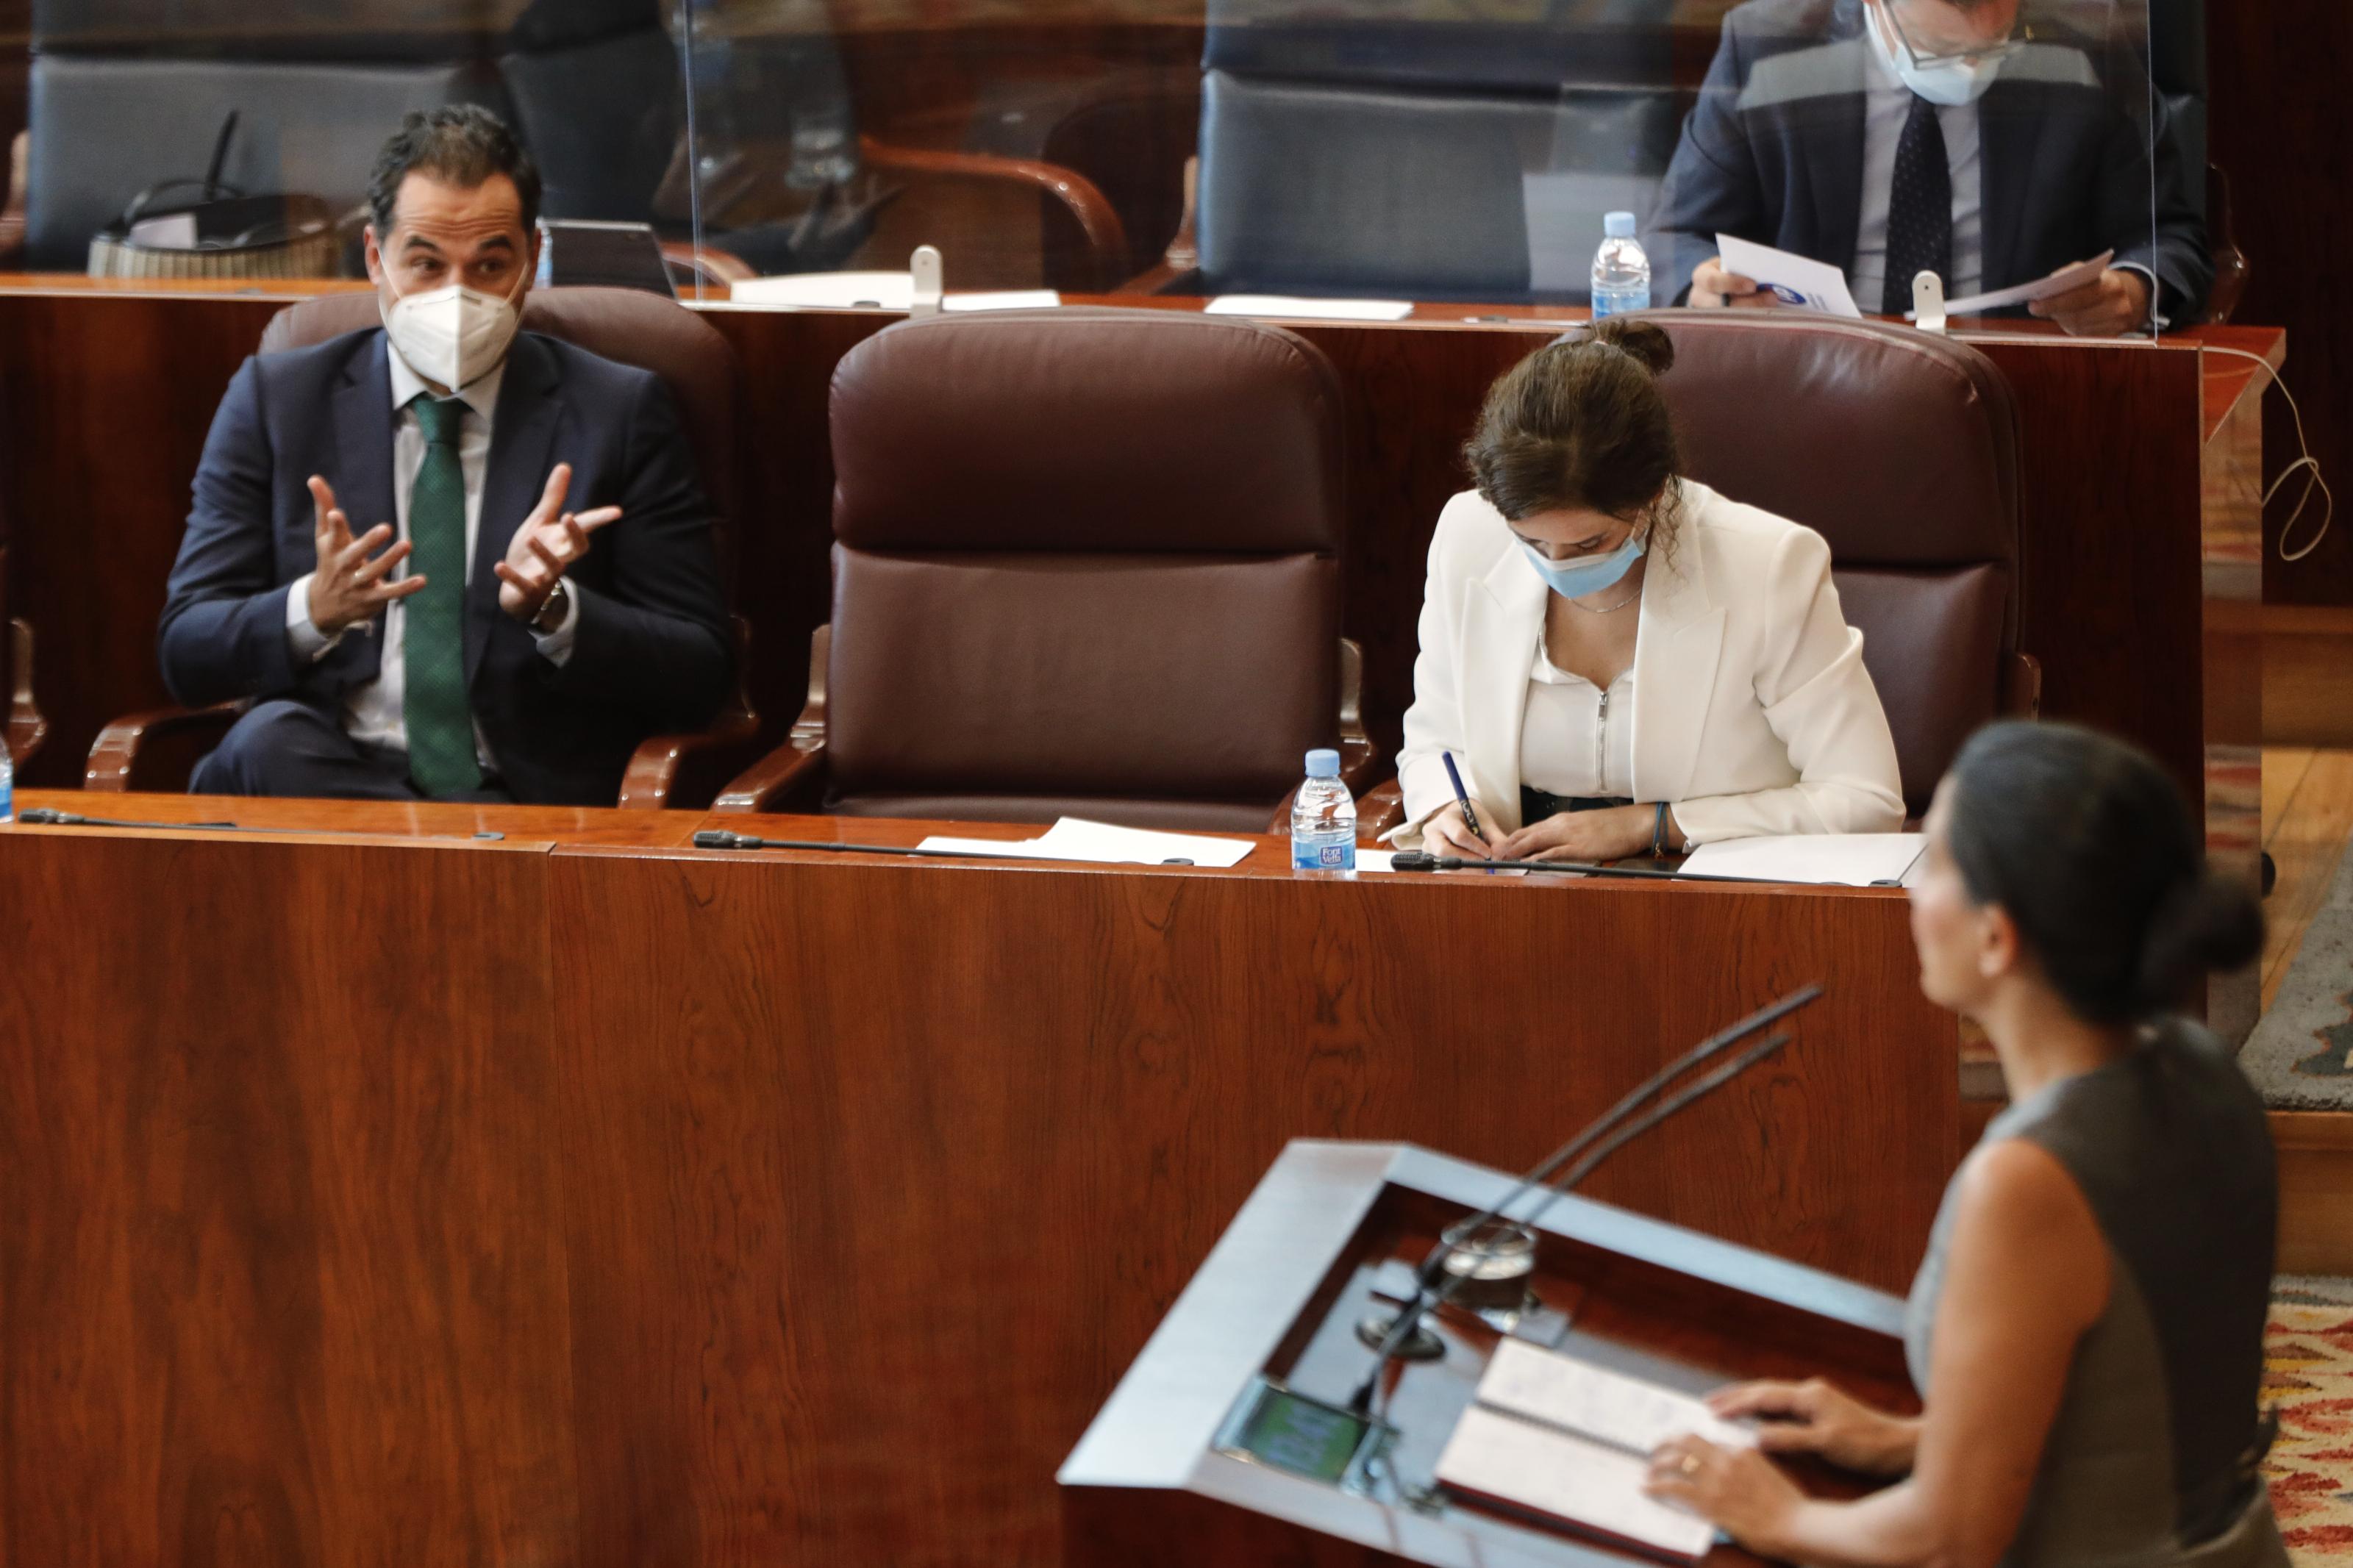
x=2202, y=927
x=1646, y=341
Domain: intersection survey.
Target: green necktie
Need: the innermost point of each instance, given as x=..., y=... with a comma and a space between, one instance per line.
x=441, y=759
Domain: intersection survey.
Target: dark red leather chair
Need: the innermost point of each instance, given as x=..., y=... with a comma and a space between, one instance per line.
x=1900, y=447
x=1086, y=562
x=157, y=750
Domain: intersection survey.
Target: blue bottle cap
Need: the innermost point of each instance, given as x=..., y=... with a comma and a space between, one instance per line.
x=1324, y=765
x=1617, y=226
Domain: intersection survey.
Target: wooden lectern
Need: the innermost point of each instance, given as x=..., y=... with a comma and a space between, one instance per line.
x=1332, y=1234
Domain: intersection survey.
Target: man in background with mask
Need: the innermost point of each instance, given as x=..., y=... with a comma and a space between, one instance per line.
x=1972, y=138
x=450, y=559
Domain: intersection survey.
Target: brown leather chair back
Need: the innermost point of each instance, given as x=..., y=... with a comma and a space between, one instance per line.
x=1900, y=448
x=625, y=325
x=1085, y=562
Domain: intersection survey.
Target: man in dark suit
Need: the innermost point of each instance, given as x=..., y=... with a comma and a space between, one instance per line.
x=1886, y=137
x=480, y=639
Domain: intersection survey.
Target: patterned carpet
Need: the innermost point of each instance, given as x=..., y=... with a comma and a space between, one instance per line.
x=2309, y=1377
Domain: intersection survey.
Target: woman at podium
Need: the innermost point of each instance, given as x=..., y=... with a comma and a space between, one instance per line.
x=2087, y=1330
x=1616, y=659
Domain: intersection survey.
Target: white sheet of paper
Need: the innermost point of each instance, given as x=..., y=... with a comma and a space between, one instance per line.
x=1004, y=300
x=1821, y=859
x=1074, y=839
x=2058, y=283
x=830, y=290
x=1375, y=860
x=1566, y=1478
x=1598, y=1404
x=1310, y=309
x=1800, y=280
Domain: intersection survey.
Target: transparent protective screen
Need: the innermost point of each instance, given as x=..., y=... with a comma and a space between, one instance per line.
x=1463, y=151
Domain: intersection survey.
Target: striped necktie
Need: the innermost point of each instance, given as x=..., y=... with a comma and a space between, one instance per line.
x=441, y=759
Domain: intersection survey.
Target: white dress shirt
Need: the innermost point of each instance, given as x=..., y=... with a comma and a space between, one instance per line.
x=375, y=713
x=1577, y=738
x=1886, y=104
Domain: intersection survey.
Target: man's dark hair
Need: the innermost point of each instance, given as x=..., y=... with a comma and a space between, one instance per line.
x=463, y=145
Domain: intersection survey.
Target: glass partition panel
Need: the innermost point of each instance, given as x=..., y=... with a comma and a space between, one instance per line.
x=1431, y=150
x=233, y=138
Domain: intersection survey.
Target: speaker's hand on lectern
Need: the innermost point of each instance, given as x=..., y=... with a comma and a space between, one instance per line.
x=350, y=584
x=1736, y=1490
x=1814, y=1417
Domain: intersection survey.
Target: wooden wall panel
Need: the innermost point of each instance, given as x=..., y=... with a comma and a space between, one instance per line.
x=2277, y=76
x=282, y=1271
x=881, y=1174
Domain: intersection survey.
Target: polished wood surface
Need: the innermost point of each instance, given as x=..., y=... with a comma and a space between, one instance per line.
x=828, y=1195
x=515, y=825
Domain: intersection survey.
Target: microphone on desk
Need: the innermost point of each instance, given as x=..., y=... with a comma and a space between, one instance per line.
x=1423, y=860
x=1612, y=1130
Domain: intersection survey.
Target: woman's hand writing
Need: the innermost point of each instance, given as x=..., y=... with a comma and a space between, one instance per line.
x=1612, y=833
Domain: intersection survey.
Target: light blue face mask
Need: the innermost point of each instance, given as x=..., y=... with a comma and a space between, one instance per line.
x=1577, y=579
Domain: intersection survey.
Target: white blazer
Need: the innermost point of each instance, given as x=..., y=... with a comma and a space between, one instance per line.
x=1753, y=713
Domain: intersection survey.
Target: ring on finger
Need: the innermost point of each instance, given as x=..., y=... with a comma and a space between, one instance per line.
x=1690, y=1465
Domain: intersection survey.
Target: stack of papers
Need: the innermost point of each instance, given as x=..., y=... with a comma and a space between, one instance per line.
x=1571, y=1442
x=876, y=292
x=1821, y=859
x=1100, y=843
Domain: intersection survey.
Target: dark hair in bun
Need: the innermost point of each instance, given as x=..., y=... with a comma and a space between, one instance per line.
x=1581, y=423
x=2087, y=845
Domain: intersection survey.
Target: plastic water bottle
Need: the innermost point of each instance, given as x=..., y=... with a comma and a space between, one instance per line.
x=8, y=786
x=1621, y=273
x=1324, y=819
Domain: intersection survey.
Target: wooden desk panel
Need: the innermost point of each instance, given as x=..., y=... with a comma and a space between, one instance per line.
x=281, y=1260
x=887, y=1169
x=452, y=1200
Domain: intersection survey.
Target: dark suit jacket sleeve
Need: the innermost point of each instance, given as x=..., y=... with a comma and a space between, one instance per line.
x=2174, y=249
x=1712, y=186
x=224, y=627
x=656, y=641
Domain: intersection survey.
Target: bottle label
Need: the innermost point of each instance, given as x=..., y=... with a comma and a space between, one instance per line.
x=1321, y=853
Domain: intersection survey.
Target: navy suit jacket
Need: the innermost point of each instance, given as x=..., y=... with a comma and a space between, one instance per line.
x=1773, y=152
x=650, y=652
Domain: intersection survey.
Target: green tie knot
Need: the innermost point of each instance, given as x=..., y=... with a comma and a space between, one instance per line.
x=439, y=417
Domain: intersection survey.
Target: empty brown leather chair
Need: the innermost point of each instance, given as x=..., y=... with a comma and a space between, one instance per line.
x=1900, y=447
x=1086, y=562
x=157, y=750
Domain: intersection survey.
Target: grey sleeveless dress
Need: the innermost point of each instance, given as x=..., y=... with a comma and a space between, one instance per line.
x=2152, y=1460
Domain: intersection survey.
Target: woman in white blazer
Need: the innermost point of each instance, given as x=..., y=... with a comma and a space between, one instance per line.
x=1619, y=660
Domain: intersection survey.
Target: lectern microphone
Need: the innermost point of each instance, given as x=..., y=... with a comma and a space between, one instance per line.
x=1612, y=1130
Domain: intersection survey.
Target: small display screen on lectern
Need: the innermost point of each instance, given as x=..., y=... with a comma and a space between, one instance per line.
x=1305, y=1436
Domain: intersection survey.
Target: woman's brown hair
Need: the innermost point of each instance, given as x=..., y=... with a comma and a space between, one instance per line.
x=1581, y=423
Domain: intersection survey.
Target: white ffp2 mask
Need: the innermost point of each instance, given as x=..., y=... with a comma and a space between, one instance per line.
x=453, y=336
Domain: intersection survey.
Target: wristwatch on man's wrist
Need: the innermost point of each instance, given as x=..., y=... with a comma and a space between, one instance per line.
x=552, y=609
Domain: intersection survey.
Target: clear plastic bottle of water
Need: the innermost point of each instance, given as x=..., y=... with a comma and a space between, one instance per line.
x=8, y=786
x=1621, y=273
x=1324, y=819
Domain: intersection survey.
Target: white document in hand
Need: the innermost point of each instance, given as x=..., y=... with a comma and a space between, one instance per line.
x=1799, y=281
x=2065, y=280
x=1820, y=859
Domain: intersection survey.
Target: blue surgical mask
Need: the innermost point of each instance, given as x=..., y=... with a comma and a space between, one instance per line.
x=1575, y=579
x=1947, y=83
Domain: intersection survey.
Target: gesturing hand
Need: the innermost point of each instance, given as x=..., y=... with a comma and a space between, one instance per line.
x=1813, y=1417
x=348, y=586
x=545, y=546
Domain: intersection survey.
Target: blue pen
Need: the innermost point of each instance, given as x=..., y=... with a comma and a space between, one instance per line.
x=1462, y=797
